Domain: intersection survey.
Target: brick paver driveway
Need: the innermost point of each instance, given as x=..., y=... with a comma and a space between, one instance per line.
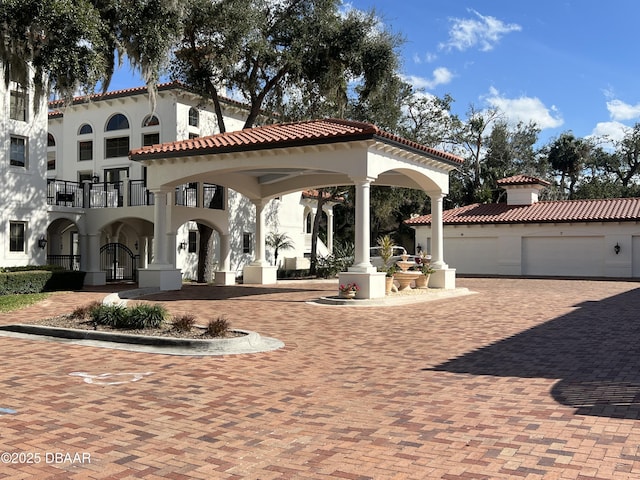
x=525, y=379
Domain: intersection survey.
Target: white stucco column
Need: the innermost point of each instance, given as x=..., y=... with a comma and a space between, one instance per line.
x=224, y=276
x=437, y=235
x=443, y=277
x=259, y=271
x=161, y=273
x=94, y=275
x=365, y=275
x=160, y=227
x=362, y=260
x=83, y=251
x=259, y=255
x=329, y=212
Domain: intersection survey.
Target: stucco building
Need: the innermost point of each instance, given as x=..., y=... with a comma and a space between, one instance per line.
x=524, y=236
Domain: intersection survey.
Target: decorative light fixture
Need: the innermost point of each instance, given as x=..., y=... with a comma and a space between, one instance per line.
x=616, y=248
x=95, y=179
x=136, y=245
x=182, y=245
x=42, y=242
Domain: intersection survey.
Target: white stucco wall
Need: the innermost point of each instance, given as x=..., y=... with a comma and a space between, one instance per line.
x=580, y=249
x=23, y=196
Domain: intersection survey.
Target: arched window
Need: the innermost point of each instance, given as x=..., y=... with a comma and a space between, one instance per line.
x=194, y=117
x=117, y=122
x=150, y=121
x=308, y=224
x=84, y=129
x=51, y=141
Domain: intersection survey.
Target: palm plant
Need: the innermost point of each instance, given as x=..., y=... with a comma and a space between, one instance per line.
x=278, y=241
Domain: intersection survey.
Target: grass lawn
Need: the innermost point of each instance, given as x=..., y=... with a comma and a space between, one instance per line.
x=9, y=303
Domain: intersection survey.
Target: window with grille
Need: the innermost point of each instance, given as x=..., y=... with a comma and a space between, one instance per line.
x=16, y=236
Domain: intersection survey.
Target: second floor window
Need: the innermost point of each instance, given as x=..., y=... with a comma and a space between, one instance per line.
x=85, y=150
x=18, y=152
x=18, y=105
x=150, y=139
x=116, y=147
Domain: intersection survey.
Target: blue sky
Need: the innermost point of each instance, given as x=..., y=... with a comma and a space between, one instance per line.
x=566, y=65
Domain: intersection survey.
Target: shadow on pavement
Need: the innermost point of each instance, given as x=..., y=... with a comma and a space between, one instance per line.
x=594, y=351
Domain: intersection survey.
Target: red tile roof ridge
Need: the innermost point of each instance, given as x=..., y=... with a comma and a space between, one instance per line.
x=133, y=91
x=522, y=180
x=290, y=134
x=549, y=211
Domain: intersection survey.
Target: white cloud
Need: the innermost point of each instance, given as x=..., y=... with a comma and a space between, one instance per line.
x=525, y=109
x=614, y=131
x=440, y=76
x=483, y=31
x=619, y=110
x=426, y=58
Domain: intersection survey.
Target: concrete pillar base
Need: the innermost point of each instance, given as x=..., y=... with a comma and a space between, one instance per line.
x=259, y=275
x=443, y=278
x=164, y=279
x=224, y=278
x=372, y=284
x=95, y=278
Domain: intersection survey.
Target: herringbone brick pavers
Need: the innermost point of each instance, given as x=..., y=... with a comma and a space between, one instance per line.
x=524, y=379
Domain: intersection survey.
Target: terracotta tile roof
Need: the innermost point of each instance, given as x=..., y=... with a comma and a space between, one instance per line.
x=607, y=210
x=128, y=92
x=315, y=194
x=312, y=132
x=522, y=180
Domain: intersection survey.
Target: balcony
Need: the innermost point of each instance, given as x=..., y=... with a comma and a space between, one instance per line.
x=128, y=193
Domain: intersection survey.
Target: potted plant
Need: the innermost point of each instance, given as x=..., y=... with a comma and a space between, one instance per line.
x=386, y=251
x=423, y=280
x=348, y=290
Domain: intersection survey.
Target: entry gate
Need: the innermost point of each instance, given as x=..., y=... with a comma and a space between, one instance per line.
x=120, y=263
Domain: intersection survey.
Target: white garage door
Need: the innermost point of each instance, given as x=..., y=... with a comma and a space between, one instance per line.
x=472, y=255
x=563, y=256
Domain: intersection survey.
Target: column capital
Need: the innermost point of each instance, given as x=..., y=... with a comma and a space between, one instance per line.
x=362, y=179
x=436, y=195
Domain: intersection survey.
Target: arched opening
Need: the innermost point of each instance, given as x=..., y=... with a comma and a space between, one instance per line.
x=62, y=244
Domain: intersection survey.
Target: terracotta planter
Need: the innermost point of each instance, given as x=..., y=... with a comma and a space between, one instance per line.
x=348, y=294
x=388, y=285
x=422, y=281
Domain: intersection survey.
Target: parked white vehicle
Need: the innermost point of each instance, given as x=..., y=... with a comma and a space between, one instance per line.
x=376, y=259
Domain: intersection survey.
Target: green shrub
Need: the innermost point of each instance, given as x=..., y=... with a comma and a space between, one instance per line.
x=23, y=282
x=339, y=261
x=146, y=315
x=114, y=316
x=183, y=323
x=136, y=317
x=218, y=327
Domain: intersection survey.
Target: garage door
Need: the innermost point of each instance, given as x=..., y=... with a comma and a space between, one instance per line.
x=563, y=256
x=472, y=255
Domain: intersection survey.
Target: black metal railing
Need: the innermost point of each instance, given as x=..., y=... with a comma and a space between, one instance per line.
x=112, y=194
x=187, y=195
x=65, y=193
x=139, y=194
x=68, y=262
x=213, y=196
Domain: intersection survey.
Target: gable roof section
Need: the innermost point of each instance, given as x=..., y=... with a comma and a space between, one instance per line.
x=129, y=92
x=565, y=211
x=522, y=180
x=312, y=132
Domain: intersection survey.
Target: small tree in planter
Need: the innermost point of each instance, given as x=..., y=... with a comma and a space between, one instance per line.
x=278, y=241
x=386, y=251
